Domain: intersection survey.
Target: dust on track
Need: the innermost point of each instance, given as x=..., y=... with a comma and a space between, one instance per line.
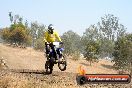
x=39, y=79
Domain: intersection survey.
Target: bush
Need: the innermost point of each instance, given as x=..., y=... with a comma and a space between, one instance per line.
x=91, y=51
x=75, y=56
x=39, y=44
x=18, y=35
x=28, y=40
x=5, y=34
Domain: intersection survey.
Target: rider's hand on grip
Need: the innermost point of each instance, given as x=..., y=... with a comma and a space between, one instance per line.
x=61, y=43
x=45, y=43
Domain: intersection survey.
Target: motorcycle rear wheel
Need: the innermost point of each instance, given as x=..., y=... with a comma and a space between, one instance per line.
x=49, y=67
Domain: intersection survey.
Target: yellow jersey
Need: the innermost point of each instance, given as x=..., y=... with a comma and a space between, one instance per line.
x=48, y=37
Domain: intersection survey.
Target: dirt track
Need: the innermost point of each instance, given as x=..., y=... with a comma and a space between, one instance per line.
x=34, y=75
x=38, y=79
x=18, y=58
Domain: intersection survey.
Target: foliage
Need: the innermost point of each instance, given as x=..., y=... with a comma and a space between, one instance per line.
x=98, y=40
x=18, y=25
x=37, y=32
x=5, y=34
x=92, y=51
x=122, y=53
x=90, y=41
x=18, y=35
x=75, y=56
x=106, y=47
x=110, y=30
x=39, y=44
x=108, y=26
x=15, y=18
x=71, y=42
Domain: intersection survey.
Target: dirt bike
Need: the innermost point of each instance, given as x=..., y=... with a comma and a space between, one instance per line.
x=53, y=55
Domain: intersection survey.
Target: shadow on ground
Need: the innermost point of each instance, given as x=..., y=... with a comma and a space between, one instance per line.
x=29, y=71
x=107, y=66
x=41, y=72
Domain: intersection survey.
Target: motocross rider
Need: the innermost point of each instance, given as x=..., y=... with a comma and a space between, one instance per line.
x=51, y=36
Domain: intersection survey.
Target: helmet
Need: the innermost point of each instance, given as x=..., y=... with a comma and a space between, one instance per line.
x=50, y=28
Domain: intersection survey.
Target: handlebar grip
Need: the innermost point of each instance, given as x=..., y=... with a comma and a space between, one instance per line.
x=61, y=42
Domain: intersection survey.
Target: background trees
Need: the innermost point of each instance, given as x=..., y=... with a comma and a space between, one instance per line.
x=110, y=29
x=72, y=43
x=5, y=34
x=17, y=33
x=90, y=42
x=99, y=40
x=107, y=38
x=123, y=53
x=37, y=32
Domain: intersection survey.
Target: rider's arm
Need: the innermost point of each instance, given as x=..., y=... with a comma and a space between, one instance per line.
x=58, y=37
x=45, y=36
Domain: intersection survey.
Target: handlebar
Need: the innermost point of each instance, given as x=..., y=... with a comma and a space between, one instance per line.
x=54, y=43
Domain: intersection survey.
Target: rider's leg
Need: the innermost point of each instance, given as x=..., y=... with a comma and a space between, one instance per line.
x=55, y=55
x=58, y=52
x=47, y=50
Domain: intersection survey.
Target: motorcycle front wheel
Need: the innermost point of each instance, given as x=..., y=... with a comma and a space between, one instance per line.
x=62, y=63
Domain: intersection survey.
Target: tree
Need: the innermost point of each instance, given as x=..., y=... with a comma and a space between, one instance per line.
x=90, y=41
x=11, y=17
x=71, y=43
x=18, y=35
x=5, y=34
x=109, y=25
x=37, y=29
x=110, y=29
x=39, y=44
x=16, y=18
x=26, y=24
x=14, y=26
x=37, y=32
x=122, y=53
